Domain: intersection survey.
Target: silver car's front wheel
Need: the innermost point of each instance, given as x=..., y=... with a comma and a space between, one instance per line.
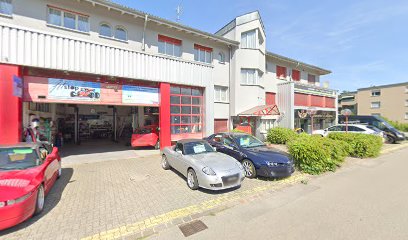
x=165, y=164
x=192, y=181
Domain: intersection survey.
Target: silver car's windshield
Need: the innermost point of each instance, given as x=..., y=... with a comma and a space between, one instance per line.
x=193, y=148
x=18, y=158
x=248, y=141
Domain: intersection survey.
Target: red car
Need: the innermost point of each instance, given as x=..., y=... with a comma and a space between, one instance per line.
x=147, y=136
x=27, y=173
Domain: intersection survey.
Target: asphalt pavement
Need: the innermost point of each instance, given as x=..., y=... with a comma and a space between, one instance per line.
x=367, y=199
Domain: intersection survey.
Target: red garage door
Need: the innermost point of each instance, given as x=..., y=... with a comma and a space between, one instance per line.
x=220, y=125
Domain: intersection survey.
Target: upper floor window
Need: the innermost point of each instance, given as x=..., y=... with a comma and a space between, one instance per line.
x=121, y=34
x=376, y=93
x=220, y=94
x=169, y=46
x=295, y=75
x=248, y=39
x=221, y=57
x=68, y=19
x=250, y=76
x=6, y=7
x=375, y=104
x=280, y=72
x=105, y=30
x=311, y=79
x=202, y=54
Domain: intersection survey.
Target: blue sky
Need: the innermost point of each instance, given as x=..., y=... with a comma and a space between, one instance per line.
x=363, y=42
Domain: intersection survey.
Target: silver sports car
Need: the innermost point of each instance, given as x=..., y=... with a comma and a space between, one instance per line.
x=202, y=165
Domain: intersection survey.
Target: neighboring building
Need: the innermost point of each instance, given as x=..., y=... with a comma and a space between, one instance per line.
x=94, y=68
x=390, y=101
x=347, y=100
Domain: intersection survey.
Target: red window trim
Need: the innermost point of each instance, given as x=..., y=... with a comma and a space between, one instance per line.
x=284, y=69
x=203, y=48
x=297, y=75
x=171, y=40
x=66, y=10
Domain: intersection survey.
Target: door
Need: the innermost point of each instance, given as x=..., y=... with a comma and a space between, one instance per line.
x=230, y=147
x=176, y=158
x=51, y=166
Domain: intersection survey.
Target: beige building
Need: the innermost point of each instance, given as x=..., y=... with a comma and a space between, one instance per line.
x=390, y=101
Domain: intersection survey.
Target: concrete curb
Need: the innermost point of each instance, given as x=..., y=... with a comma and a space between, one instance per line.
x=395, y=148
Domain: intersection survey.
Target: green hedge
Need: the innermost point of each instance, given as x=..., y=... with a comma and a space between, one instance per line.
x=399, y=126
x=280, y=135
x=360, y=145
x=315, y=155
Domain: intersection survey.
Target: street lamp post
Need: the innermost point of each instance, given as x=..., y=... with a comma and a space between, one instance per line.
x=346, y=113
x=311, y=111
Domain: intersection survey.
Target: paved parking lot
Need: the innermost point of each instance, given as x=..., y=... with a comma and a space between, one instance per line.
x=95, y=197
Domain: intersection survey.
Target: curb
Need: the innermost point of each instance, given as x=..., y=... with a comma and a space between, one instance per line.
x=156, y=224
x=395, y=148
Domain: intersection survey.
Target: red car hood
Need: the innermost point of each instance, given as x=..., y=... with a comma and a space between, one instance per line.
x=15, y=184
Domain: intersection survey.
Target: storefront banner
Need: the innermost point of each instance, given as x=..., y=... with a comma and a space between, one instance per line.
x=17, y=87
x=140, y=95
x=73, y=90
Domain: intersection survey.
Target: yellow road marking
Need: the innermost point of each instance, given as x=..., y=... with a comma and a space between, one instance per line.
x=190, y=210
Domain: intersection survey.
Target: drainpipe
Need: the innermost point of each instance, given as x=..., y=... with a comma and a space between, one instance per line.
x=229, y=88
x=144, y=32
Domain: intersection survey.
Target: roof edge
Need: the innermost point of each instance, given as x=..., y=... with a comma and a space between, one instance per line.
x=322, y=71
x=384, y=86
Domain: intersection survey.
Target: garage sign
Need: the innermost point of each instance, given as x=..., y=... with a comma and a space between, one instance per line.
x=63, y=89
x=140, y=95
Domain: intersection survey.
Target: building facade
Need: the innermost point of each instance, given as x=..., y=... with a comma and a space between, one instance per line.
x=390, y=101
x=92, y=69
x=348, y=100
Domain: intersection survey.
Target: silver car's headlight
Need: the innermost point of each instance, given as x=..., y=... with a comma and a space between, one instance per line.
x=208, y=171
x=239, y=165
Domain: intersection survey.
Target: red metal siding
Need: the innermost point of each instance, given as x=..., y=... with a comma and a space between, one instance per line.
x=317, y=101
x=270, y=98
x=10, y=106
x=301, y=99
x=164, y=110
x=220, y=125
x=330, y=102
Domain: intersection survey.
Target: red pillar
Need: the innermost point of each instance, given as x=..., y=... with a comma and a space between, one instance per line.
x=10, y=106
x=164, y=110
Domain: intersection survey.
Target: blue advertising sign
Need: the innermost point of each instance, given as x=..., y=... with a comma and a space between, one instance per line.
x=73, y=90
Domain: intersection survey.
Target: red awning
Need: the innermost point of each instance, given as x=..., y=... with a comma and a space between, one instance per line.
x=264, y=110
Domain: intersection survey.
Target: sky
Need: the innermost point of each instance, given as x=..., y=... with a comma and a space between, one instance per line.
x=363, y=43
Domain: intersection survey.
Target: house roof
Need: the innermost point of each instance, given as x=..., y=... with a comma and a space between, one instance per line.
x=127, y=10
x=297, y=63
x=262, y=110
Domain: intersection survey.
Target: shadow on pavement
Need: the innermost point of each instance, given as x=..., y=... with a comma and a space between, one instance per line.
x=51, y=200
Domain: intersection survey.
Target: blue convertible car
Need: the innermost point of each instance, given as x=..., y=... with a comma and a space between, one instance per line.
x=255, y=156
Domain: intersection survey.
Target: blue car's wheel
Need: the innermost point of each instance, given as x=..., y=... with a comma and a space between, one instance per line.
x=249, y=168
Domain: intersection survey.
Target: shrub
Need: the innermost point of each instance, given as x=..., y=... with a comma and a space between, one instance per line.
x=360, y=145
x=399, y=126
x=315, y=155
x=280, y=135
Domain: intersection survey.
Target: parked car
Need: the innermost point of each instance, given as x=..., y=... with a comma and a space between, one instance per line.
x=202, y=165
x=353, y=128
x=256, y=158
x=147, y=136
x=27, y=173
x=392, y=134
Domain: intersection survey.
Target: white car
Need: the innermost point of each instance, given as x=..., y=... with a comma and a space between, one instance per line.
x=353, y=128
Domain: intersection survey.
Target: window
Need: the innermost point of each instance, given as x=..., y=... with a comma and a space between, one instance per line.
x=250, y=76
x=311, y=78
x=248, y=39
x=121, y=34
x=202, y=54
x=186, y=110
x=68, y=19
x=267, y=124
x=221, y=57
x=280, y=72
x=105, y=30
x=375, y=93
x=169, y=46
x=220, y=94
x=6, y=7
x=406, y=103
x=376, y=114
x=375, y=104
x=406, y=115
x=295, y=75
